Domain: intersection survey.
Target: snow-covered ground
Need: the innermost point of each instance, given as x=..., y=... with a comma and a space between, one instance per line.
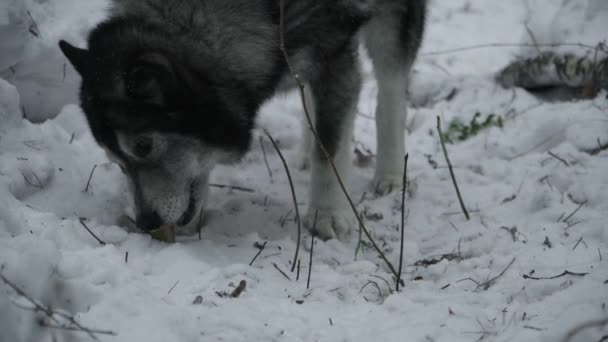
x=538, y=201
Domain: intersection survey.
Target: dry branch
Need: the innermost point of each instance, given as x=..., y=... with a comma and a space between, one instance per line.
x=101, y=242
x=447, y=159
x=293, y=197
x=398, y=280
x=260, y=249
x=563, y=274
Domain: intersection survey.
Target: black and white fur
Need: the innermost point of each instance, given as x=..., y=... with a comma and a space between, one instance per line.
x=170, y=88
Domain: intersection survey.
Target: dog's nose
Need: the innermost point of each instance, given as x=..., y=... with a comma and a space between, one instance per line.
x=149, y=220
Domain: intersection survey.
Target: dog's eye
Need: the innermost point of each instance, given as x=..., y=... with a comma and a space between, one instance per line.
x=143, y=147
x=142, y=84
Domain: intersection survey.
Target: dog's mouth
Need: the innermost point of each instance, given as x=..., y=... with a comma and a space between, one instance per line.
x=190, y=212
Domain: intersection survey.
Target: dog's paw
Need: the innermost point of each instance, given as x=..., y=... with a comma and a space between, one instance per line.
x=330, y=224
x=385, y=184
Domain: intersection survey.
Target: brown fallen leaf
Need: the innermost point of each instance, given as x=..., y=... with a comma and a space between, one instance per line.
x=164, y=233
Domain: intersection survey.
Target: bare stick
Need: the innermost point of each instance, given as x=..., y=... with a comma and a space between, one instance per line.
x=265, y=158
x=563, y=274
x=298, y=271
x=489, y=283
x=172, y=287
x=326, y=154
x=312, y=246
x=447, y=159
x=28, y=181
x=260, y=249
x=86, y=188
x=577, y=243
x=574, y=212
x=558, y=158
x=402, y=222
x=293, y=197
x=231, y=187
x=281, y=271
x=101, y=242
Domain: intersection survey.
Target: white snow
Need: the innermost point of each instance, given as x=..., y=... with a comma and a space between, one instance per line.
x=519, y=196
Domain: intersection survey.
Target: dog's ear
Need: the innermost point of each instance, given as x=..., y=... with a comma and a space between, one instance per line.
x=77, y=56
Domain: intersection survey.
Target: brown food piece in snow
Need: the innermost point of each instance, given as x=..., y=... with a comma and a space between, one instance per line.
x=165, y=233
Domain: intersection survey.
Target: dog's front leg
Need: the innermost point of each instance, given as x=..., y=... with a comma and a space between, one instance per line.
x=335, y=92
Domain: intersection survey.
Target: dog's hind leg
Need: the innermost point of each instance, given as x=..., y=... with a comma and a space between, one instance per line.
x=335, y=92
x=392, y=38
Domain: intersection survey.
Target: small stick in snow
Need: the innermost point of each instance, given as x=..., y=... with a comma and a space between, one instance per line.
x=600, y=254
x=101, y=242
x=298, y=270
x=563, y=274
x=447, y=159
x=312, y=246
x=86, y=188
x=558, y=158
x=281, y=271
x=578, y=242
x=266, y=159
x=486, y=285
x=293, y=196
x=398, y=280
x=260, y=249
x=33, y=29
x=574, y=212
x=126, y=257
x=239, y=289
x=172, y=287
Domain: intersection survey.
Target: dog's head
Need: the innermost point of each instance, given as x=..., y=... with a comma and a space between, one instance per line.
x=166, y=119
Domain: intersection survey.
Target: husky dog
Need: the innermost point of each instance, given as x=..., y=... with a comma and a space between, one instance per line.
x=170, y=88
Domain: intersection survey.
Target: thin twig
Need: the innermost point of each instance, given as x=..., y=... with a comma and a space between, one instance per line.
x=312, y=246
x=281, y=271
x=563, y=274
x=101, y=242
x=574, y=212
x=402, y=222
x=447, y=159
x=490, y=282
x=86, y=188
x=577, y=243
x=298, y=271
x=558, y=158
x=172, y=287
x=260, y=249
x=293, y=197
x=231, y=187
x=266, y=159
x=326, y=154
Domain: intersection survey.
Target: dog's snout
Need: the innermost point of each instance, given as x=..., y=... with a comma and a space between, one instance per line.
x=149, y=220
